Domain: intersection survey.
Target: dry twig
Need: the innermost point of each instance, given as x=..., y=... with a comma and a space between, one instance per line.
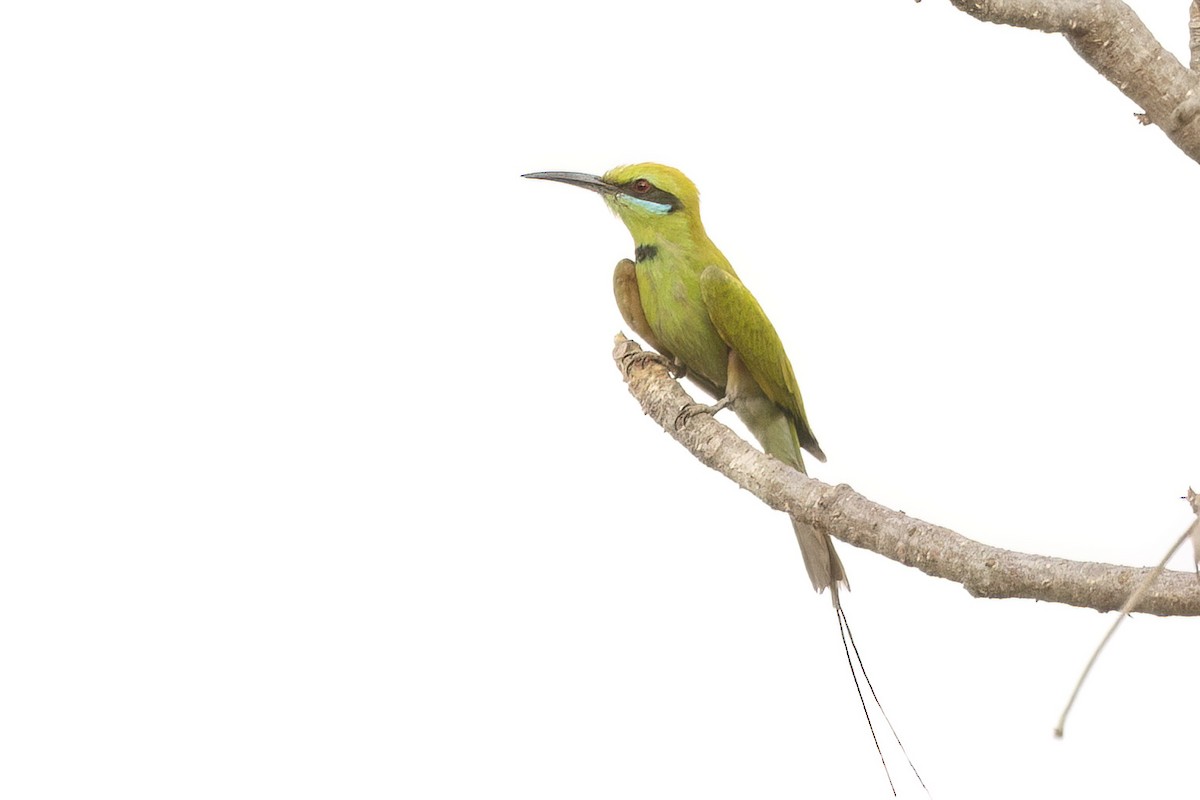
x=1192, y=532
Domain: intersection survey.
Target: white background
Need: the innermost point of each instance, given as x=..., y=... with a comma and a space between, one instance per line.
x=317, y=480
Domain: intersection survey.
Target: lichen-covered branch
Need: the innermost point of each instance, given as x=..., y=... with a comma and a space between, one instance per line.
x=846, y=515
x=1110, y=37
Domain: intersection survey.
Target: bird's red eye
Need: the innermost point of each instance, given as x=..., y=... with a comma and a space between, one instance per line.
x=641, y=185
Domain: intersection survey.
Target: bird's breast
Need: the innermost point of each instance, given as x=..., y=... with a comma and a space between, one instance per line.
x=675, y=311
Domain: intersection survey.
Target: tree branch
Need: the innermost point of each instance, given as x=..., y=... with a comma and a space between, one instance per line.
x=1194, y=35
x=1110, y=37
x=841, y=512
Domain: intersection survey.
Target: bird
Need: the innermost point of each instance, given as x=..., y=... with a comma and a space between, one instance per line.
x=683, y=297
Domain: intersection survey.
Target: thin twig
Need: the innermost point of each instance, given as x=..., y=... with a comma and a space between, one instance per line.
x=1125, y=610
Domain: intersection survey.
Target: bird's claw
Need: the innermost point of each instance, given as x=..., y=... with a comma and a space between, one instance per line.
x=641, y=357
x=695, y=409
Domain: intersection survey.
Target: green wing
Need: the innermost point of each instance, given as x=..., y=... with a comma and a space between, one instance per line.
x=743, y=325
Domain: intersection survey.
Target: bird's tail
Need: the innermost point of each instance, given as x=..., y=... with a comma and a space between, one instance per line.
x=849, y=646
x=776, y=432
x=825, y=569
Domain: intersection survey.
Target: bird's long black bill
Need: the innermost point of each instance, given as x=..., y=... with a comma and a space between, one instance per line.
x=580, y=179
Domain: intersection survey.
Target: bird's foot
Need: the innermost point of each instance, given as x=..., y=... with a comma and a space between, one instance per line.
x=641, y=357
x=694, y=409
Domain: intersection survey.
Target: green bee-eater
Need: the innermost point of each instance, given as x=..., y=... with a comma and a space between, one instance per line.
x=682, y=296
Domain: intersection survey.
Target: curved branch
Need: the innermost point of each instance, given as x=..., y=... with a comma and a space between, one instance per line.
x=1110, y=37
x=846, y=515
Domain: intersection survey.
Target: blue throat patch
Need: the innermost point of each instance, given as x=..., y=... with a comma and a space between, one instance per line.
x=648, y=205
